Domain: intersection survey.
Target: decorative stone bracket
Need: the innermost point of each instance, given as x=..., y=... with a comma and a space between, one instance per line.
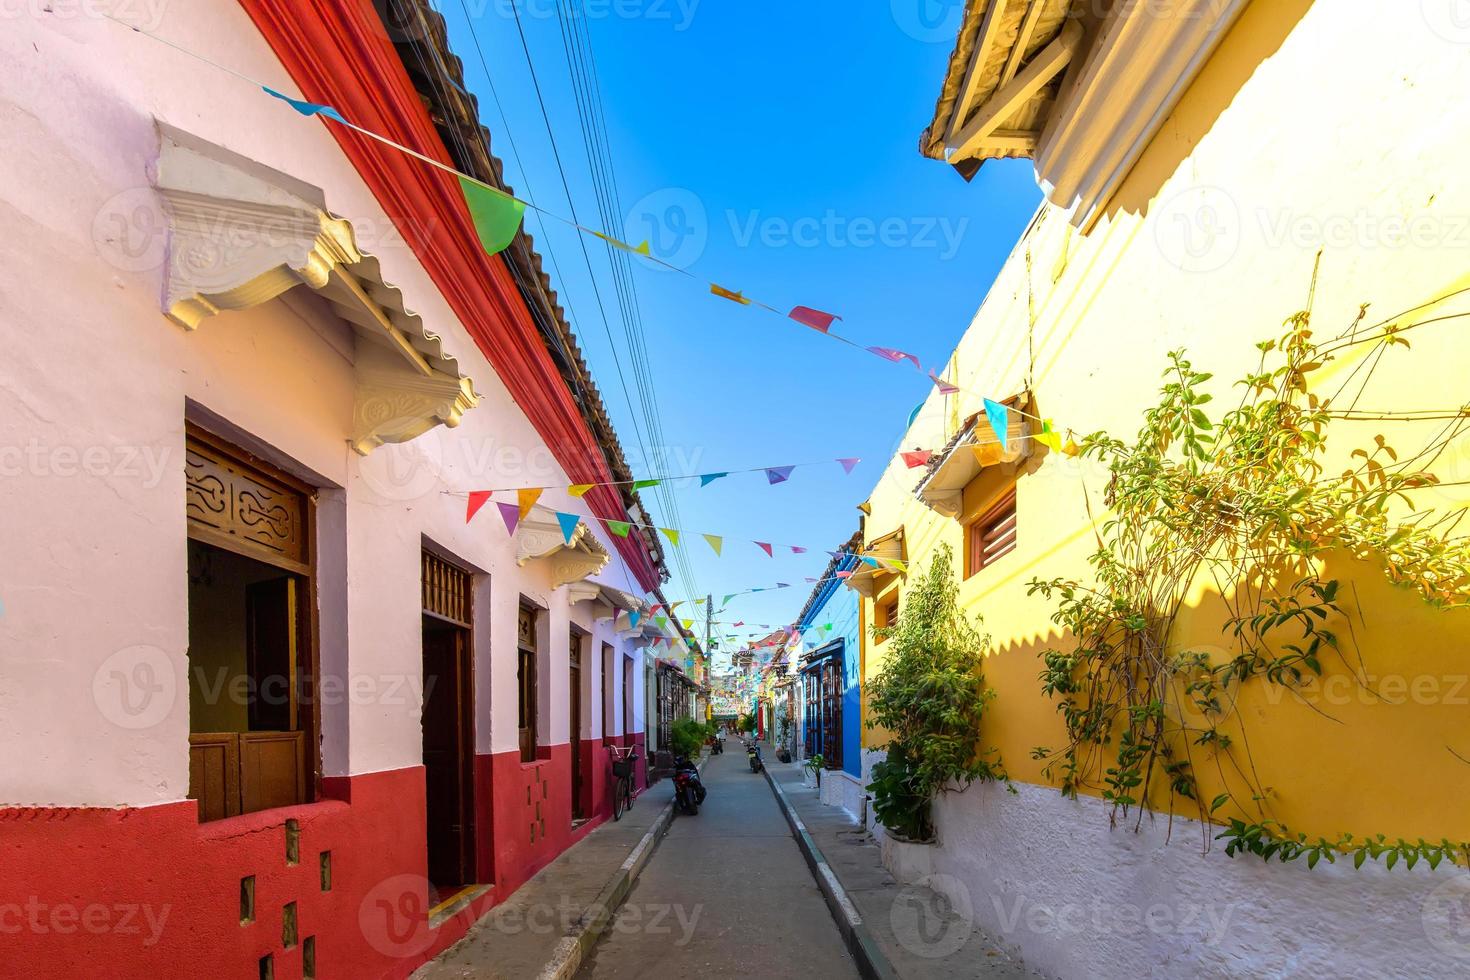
x=241, y=234
x=571, y=562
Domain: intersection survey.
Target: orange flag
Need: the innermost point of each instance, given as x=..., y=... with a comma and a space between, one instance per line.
x=728, y=294
x=527, y=500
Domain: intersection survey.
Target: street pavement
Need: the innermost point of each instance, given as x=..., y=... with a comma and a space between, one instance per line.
x=727, y=894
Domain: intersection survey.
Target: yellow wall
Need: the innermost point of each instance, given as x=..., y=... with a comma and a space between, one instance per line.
x=1326, y=125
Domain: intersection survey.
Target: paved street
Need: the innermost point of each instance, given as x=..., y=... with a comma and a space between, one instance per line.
x=726, y=895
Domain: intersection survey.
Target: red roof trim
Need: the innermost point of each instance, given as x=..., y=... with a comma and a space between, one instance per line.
x=339, y=54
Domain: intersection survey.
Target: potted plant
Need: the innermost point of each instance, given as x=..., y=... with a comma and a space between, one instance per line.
x=811, y=770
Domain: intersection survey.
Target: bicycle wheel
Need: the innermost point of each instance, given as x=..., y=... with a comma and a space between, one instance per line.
x=620, y=798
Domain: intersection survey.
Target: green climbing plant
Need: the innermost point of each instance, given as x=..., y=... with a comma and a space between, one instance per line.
x=1245, y=501
x=930, y=697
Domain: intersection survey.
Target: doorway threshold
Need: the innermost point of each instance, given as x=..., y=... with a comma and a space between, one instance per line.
x=454, y=903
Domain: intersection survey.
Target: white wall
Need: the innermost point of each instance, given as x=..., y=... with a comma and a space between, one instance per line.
x=94, y=585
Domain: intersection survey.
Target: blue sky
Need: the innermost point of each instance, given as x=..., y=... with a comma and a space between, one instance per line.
x=773, y=151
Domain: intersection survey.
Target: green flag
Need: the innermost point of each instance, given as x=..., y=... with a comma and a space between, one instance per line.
x=620, y=528
x=497, y=216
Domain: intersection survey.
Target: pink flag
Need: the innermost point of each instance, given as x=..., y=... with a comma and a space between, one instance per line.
x=917, y=458
x=511, y=514
x=797, y=551
x=889, y=354
x=815, y=319
x=849, y=464
x=478, y=499
x=945, y=388
x=844, y=574
x=766, y=548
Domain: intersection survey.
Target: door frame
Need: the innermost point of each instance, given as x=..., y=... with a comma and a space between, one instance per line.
x=457, y=611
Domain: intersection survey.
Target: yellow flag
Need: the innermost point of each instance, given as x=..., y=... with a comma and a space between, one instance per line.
x=527, y=500
x=640, y=249
x=987, y=453
x=729, y=294
x=1050, y=437
x=1071, y=448
x=578, y=489
x=715, y=541
x=672, y=535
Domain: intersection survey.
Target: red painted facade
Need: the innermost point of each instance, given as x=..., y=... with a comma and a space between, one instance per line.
x=145, y=890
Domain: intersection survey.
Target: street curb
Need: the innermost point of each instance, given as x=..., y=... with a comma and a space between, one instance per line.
x=872, y=962
x=573, y=949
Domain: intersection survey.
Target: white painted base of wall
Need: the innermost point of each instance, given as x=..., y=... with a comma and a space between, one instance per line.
x=1049, y=878
x=845, y=791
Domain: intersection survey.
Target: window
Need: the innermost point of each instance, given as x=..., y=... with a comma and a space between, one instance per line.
x=252, y=741
x=885, y=611
x=992, y=536
x=526, y=682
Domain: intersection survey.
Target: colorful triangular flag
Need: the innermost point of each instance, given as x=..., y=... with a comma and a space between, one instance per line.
x=729, y=294
x=527, y=499
x=917, y=458
x=640, y=249
x=620, y=528
x=716, y=542
x=478, y=499
x=709, y=478
x=307, y=108
x=945, y=388
x=766, y=548
x=633, y=617
x=997, y=415
x=815, y=319
x=580, y=489
x=672, y=535
x=569, y=523
x=1050, y=437
x=849, y=463
x=644, y=484
x=797, y=550
x=511, y=514
x=889, y=354
x=779, y=474
x=497, y=216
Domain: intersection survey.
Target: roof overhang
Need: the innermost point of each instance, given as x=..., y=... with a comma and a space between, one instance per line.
x=241, y=234
x=1081, y=95
x=886, y=559
x=975, y=449
x=569, y=560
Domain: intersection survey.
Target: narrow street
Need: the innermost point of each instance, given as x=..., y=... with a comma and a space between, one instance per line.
x=727, y=894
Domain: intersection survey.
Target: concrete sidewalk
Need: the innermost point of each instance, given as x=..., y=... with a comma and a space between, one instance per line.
x=547, y=925
x=906, y=930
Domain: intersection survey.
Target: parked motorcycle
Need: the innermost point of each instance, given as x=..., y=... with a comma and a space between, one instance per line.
x=689, y=791
x=753, y=756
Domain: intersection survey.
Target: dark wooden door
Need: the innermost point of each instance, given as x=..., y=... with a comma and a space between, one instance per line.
x=270, y=653
x=574, y=681
x=448, y=753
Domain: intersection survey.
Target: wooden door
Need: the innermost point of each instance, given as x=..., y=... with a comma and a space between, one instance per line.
x=270, y=653
x=574, y=683
x=447, y=754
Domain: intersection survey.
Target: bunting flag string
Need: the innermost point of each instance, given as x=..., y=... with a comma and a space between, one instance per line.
x=497, y=215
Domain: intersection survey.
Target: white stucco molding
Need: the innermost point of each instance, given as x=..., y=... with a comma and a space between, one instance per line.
x=570, y=561
x=241, y=234
x=1114, y=103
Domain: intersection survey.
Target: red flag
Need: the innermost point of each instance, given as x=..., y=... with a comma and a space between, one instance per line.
x=889, y=354
x=478, y=499
x=815, y=319
x=917, y=458
x=766, y=548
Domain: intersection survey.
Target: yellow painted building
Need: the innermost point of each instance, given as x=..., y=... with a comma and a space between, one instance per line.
x=1201, y=159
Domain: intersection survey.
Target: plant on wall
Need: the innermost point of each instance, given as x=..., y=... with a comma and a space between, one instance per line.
x=1245, y=503
x=929, y=696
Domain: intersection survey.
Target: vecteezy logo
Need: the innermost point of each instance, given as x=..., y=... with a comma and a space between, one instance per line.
x=675, y=224
x=1449, y=19
x=933, y=917
x=394, y=916
x=135, y=687
x=930, y=21
x=1199, y=229
x=399, y=472
x=130, y=230
x=1446, y=916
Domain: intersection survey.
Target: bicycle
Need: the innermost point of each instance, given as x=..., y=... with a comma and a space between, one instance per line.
x=623, y=761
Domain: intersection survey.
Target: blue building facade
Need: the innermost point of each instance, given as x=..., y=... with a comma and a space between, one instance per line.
x=830, y=668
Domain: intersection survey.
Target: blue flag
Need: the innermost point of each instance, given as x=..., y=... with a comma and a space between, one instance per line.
x=307, y=108
x=568, y=524
x=1000, y=421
